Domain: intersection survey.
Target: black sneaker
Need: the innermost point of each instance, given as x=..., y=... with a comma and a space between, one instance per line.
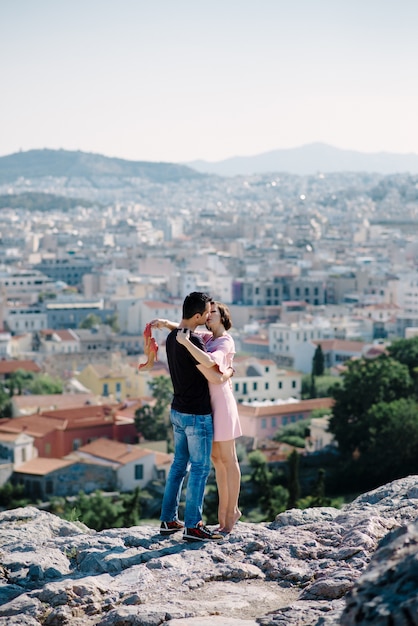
x=201, y=533
x=168, y=528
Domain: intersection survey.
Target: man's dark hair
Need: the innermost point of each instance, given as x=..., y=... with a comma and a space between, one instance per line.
x=194, y=303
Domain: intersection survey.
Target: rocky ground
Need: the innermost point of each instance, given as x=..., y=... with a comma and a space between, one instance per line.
x=316, y=567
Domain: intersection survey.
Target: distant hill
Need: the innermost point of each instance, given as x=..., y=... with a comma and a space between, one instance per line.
x=64, y=163
x=311, y=159
x=34, y=201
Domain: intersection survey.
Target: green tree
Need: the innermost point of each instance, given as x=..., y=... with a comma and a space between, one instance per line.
x=313, y=393
x=318, y=362
x=152, y=421
x=323, y=384
x=272, y=497
x=294, y=434
x=389, y=450
x=319, y=413
x=113, y=322
x=46, y=295
x=44, y=384
x=406, y=351
x=12, y=496
x=19, y=381
x=132, y=508
x=318, y=494
x=5, y=403
x=98, y=511
x=90, y=321
x=294, y=486
x=365, y=383
x=22, y=381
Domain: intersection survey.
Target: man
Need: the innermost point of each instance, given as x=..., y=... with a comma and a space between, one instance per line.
x=191, y=418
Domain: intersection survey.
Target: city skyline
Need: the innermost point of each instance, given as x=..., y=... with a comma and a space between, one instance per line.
x=178, y=82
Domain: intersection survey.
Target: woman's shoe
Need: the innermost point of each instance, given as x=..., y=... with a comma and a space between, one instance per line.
x=150, y=349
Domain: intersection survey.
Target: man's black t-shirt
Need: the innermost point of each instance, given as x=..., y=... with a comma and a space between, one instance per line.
x=191, y=391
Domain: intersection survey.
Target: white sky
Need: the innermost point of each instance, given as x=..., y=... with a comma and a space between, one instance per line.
x=177, y=80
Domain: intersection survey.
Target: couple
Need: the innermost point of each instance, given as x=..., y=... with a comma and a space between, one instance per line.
x=200, y=367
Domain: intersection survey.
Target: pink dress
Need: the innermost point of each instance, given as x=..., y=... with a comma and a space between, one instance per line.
x=226, y=424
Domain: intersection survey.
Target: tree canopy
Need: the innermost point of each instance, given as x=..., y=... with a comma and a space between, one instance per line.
x=366, y=382
x=151, y=421
x=318, y=362
x=390, y=448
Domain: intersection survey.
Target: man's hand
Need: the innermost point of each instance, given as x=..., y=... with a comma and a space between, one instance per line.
x=183, y=336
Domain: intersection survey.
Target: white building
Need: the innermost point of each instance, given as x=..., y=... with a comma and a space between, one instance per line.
x=15, y=449
x=407, y=293
x=21, y=319
x=134, y=466
x=25, y=285
x=58, y=341
x=292, y=344
x=320, y=437
x=260, y=380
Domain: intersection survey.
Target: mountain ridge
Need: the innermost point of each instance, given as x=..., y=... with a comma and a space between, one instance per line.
x=310, y=159
x=67, y=163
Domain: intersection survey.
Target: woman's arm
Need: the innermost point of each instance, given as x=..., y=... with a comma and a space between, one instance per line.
x=213, y=375
x=162, y=323
x=206, y=364
x=204, y=358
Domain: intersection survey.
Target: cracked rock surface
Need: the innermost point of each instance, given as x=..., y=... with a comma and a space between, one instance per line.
x=316, y=567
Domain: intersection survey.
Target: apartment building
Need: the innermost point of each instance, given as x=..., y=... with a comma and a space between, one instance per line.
x=293, y=344
x=69, y=269
x=24, y=285
x=20, y=318
x=278, y=289
x=260, y=380
x=56, y=433
x=261, y=421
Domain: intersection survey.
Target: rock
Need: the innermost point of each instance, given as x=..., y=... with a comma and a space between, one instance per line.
x=315, y=567
x=386, y=593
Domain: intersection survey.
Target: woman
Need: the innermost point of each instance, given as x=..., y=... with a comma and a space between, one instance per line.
x=220, y=353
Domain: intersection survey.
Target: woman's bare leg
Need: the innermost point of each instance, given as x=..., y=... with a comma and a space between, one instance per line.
x=221, y=482
x=228, y=479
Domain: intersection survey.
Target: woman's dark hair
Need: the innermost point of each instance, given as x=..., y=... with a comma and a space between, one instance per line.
x=194, y=303
x=224, y=313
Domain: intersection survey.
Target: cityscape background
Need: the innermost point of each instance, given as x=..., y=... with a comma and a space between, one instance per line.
x=113, y=209
x=265, y=153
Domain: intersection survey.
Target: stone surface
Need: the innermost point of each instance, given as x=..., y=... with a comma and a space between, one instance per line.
x=317, y=567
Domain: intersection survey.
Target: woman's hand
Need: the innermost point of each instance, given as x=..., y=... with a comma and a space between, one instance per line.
x=158, y=323
x=163, y=323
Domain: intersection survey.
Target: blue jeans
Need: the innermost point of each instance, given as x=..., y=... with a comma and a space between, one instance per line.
x=193, y=436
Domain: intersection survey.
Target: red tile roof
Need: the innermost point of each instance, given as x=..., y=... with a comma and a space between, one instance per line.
x=53, y=401
x=8, y=367
x=35, y=425
x=114, y=451
x=345, y=345
x=287, y=407
x=42, y=466
x=64, y=335
x=256, y=340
